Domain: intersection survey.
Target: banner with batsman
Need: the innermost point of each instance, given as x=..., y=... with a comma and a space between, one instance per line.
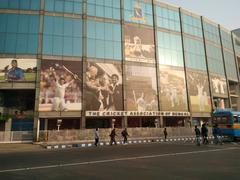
x=60, y=86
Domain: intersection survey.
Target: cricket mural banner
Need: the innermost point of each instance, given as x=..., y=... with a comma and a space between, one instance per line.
x=139, y=44
x=198, y=89
x=60, y=86
x=219, y=85
x=173, y=94
x=104, y=87
x=18, y=70
x=141, y=88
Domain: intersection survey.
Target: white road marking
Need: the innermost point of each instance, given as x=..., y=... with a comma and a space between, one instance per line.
x=114, y=160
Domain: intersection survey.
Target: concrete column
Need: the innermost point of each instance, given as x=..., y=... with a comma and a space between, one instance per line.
x=8, y=126
x=124, y=122
x=161, y=122
x=83, y=122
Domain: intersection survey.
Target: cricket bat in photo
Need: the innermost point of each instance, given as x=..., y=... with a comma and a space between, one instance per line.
x=134, y=96
x=70, y=72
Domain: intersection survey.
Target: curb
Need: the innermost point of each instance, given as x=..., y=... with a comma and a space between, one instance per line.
x=141, y=141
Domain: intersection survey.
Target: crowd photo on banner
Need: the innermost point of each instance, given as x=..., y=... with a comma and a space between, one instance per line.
x=104, y=87
x=60, y=86
x=199, y=91
x=173, y=92
x=141, y=88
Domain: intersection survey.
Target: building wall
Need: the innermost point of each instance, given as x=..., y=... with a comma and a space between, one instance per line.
x=168, y=62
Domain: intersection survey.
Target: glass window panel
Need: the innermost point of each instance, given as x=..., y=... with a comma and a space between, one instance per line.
x=68, y=7
x=77, y=28
x=48, y=24
x=57, y=45
x=99, y=11
x=32, y=44
x=4, y=4
x=12, y=23
x=49, y=5
x=100, y=30
x=99, y=48
x=34, y=24
x=67, y=46
x=13, y=4
x=58, y=26
x=91, y=49
x=2, y=42
x=91, y=10
x=68, y=29
x=3, y=24
x=77, y=46
x=10, y=42
x=109, y=49
x=59, y=4
x=24, y=4
x=77, y=8
x=21, y=46
x=35, y=4
x=47, y=44
x=117, y=51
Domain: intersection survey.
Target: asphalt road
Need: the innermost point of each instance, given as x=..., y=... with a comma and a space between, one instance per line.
x=142, y=161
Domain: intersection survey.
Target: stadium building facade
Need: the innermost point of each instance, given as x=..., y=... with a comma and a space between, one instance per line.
x=80, y=64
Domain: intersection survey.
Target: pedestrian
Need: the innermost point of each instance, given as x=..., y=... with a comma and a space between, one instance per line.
x=124, y=135
x=112, y=137
x=204, y=131
x=197, y=133
x=96, y=137
x=165, y=133
x=217, y=134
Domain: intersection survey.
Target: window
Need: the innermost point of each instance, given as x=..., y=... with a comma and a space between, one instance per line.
x=64, y=6
x=20, y=4
x=19, y=33
x=62, y=36
x=105, y=42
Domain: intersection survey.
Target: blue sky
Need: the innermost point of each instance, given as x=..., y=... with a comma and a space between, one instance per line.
x=224, y=12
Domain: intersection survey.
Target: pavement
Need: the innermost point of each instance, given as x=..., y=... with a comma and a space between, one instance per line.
x=169, y=160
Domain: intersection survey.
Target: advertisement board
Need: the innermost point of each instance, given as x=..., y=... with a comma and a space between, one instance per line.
x=18, y=70
x=141, y=88
x=219, y=85
x=198, y=88
x=60, y=86
x=139, y=44
x=173, y=94
x=104, y=87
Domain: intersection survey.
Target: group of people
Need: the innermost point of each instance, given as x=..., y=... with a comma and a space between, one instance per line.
x=112, y=135
x=216, y=131
x=103, y=91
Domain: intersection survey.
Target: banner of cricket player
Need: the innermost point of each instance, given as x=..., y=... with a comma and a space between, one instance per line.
x=198, y=89
x=18, y=70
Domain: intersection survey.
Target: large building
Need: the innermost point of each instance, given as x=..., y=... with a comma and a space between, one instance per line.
x=76, y=64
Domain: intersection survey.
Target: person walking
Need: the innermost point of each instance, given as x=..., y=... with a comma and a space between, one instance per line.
x=165, y=133
x=204, y=131
x=112, y=137
x=197, y=133
x=217, y=134
x=125, y=135
x=96, y=137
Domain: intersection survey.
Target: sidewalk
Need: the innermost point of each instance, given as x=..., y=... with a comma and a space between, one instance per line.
x=23, y=147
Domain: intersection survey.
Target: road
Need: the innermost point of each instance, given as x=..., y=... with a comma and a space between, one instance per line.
x=141, y=161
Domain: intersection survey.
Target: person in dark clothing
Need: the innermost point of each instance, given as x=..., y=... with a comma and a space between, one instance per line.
x=125, y=135
x=116, y=93
x=165, y=133
x=197, y=133
x=204, y=131
x=112, y=137
x=96, y=137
